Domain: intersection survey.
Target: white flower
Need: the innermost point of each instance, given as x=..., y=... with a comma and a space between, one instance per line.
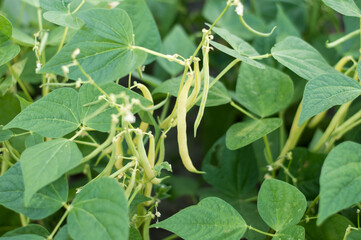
x=129, y=117
x=65, y=69
x=269, y=168
x=239, y=9
x=113, y=4
x=75, y=53
x=38, y=66
x=157, y=214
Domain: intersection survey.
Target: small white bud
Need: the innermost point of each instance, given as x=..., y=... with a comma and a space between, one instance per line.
x=112, y=5
x=115, y=119
x=239, y=9
x=65, y=69
x=78, y=83
x=113, y=99
x=78, y=190
x=267, y=176
x=38, y=66
x=158, y=214
x=135, y=101
x=269, y=168
x=75, y=53
x=129, y=117
x=143, y=68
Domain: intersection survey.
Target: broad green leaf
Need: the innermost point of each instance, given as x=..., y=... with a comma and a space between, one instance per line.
x=9, y=108
x=55, y=5
x=29, y=229
x=52, y=116
x=176, y=42
x=46, y=162
x=212, y=218
x=354, y=235
x=238, y=44
x=280, y=204
x=243, y=133
x=99, y=211
x=24, y=236
x=339, y=178
x=345, y=7
x=291, y=233
x=217, y=95
x=301, y=58
x=263, y=91
x=105, y=47
x=6, y=29
x=134, y=234
x=326, y=91
x=235, y=54
x=5, y=134
x=63, y=234
x=43, y=203
x=145, y=29
x=102, y=120
x=21, y=38
x=64, y=19
x=231, y=172
x=8, y=51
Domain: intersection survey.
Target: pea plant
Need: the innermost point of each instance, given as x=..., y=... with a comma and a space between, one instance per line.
x=93, y=91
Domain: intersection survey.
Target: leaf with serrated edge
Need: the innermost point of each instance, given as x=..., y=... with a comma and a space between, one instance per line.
x=105, y=47
x=340, y=176
x=326, y=91
x=46, y=162
x=52, y=116
x=212, y=218
x=280, y=204
x=244, y=133
x=44, y=202
x=99, y=211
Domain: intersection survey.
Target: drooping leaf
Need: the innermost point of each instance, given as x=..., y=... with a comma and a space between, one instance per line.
x=301, y=58
x=263, y=91
x=244, y=133
x=231, y=172
x=291, y=233
x=145, y=29
x=6, y=29
x=46, y=162
x=339, y=178
x=176, y=42
x=105, y=47
x=211, y=218
x=102, y=120
x=35, y=229
x=43, y=203
x=345, y=7
x=238, y=44
x=8, y=51
x=280, y=204
x=99, y=211
x=52, y=116
x=326, y=91
x=235, y=54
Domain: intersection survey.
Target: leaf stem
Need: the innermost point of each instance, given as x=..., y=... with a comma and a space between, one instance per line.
x=255, y=32
x=171, y=58
x=63, y=39
x=314, y=202
x=19, y=81
x=233, y=104
x=342, y=39
x=59, y=223
x=261, y=232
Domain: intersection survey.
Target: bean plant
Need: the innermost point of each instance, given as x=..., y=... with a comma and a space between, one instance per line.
x=95, y=93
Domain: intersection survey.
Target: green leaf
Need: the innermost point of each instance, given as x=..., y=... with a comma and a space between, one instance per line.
x=5, y=134
x=44, y=202
x=105, y=47
x=6, y=85
x=243, y=133
x=235, y=54
x=345, y=7
x=8, y=51
x=9, y=108
x=6, y=29
x=217, y=95
x=24, y=236
x=54, y=115
x=291, y=233
x=301, y=58
x=64, y=19
x=231, y=172
x=63, y=234
x=34, y=3
x=33, y=139
x=280, y=204
x=55, y=5
x=212, y=218
x=326, y=91
x=263, y=91
x=29, y=229
x=339, y=178
x=176, y=42
x=46, y=162
x=102, y=121
x=145, y=29
x=134, y=234
x=238, y=44
x=99, y=211
x=284, y=25
x=354, y=235
x=21, y=38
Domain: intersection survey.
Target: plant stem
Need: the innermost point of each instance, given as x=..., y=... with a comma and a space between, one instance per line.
x=123, y=169
x=261, y=232
x=59, y=223
x=343, y=39
x=233, y=104
x=170, y=58
x=63, y=39
x=19, y=81
x=314, y=202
